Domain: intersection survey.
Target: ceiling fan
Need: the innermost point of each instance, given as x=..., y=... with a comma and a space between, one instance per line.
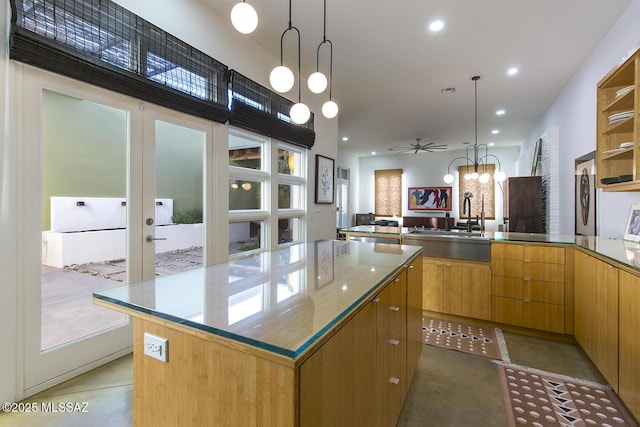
x=417, y=146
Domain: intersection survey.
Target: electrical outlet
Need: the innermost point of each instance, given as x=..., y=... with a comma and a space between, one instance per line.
x=156, y=347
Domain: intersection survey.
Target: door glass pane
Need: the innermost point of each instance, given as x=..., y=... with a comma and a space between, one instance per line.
x=84, y=175
x=179, y=198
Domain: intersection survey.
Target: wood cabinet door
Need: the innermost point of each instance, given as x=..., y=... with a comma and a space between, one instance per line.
x=432, y=285
x=414, y=317
x=337, y=384
x=467, y=291
x=629, y=383
x=596, y=313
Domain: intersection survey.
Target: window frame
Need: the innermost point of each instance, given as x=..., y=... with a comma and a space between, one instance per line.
x=269, y=212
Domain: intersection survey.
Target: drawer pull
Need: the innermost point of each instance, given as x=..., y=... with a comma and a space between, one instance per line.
x=526, y=279
x=527, y=301
x=410, y=267
x=397, y=279
x=394, y=342
x=394, y=380
x=376, y=299
x=394, y=308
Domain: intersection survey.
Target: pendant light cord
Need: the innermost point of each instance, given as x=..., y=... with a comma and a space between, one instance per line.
x=475, y=145
x=289, y=28
x=325, y=40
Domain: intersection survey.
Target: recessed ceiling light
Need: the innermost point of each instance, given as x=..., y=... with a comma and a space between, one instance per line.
x=512, y=71
x=495, y=131
x=436, y=25
x=500, y=113
x=373, y=153
x=345, y=138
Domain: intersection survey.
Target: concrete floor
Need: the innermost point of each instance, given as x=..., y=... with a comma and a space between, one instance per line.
x=450, y=388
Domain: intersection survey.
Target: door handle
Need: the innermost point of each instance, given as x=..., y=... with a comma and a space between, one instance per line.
x=150, y=238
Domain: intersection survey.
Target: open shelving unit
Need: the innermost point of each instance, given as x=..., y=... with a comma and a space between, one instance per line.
x=619, y=94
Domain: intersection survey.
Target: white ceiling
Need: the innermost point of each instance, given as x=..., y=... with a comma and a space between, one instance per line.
x=389, y=69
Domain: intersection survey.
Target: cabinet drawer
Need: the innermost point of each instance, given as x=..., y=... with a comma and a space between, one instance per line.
x=389, y=337
x=535, y=315
x=392, y=299
x=527, y=270
x=383, y=306
x=532, y=290
x=526, y=252
x=391, y=387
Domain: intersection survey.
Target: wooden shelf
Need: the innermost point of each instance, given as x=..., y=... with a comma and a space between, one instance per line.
x=623, y=103
x=611, y=135
x=622, y=186
x=626, y=154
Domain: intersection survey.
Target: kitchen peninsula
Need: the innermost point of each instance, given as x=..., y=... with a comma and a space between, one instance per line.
x=324, y=333
x=582, y=286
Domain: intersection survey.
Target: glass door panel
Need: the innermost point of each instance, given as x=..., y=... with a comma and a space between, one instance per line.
x=179, y=183
x=84, y=211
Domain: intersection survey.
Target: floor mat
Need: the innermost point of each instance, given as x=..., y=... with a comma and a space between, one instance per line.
x=538, y=398
x=487, y=342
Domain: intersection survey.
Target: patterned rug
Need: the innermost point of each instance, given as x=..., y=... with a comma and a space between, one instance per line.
x=538, y=398
x=481, y=341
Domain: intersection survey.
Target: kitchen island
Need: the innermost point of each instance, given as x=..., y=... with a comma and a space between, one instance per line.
x=325, y=333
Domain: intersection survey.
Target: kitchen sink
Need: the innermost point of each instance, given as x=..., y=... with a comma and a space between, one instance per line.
x=452, y=244
x=437, y=232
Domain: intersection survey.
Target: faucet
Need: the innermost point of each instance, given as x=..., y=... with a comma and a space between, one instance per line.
x=467, y=200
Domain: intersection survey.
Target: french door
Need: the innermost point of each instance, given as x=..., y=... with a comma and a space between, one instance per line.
x=115, y=191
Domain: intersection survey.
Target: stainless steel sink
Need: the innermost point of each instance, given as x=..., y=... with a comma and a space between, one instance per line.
x=436, y=232
x=450, y=244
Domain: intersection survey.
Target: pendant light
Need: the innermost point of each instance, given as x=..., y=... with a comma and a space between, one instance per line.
x=281, y=77
x=244, y=17
x=317, y=81
x=474, y=155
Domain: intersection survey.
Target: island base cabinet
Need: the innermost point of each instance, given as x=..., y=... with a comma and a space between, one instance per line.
x=205, y=383
x=361, y=375
x=629, y=338
x=337, y=384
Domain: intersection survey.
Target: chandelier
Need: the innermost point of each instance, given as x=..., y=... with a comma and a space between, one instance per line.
x=477, y=155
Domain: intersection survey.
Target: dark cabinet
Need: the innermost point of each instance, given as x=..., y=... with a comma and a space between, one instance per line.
x=524, y=204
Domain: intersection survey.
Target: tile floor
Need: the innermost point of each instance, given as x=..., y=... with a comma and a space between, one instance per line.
x=450, y=388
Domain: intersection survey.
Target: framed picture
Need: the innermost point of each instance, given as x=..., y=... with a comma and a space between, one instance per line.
x=324, y=262
x=430, y=198
x=585, y=215
x=632, y=229
x=324, y=179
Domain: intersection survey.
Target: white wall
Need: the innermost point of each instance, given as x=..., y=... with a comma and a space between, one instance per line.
x=425, y=169
x=574, y=112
